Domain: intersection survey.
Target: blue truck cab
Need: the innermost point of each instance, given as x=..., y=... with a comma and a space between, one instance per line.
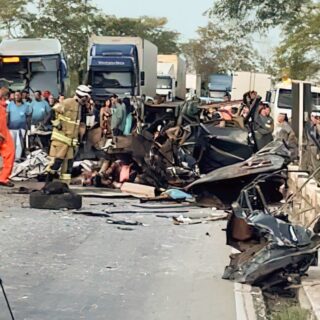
x=126, y=66
x=113, y=69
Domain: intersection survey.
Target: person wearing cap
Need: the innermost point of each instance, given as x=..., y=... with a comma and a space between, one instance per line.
x=65, y=134
x=284, y=132
x=264, y=126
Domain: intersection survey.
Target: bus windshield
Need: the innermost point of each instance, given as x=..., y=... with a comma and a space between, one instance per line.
x=38, y=73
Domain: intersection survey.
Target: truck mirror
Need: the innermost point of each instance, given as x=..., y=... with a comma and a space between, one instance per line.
x=268, y=96
x=176, y=84
x=142, y=78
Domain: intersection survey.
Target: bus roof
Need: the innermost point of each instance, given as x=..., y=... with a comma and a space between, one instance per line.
x=29, y=47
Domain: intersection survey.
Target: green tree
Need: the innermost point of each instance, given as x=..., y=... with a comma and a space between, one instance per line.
x=218, y=50
x=11, y=15
x=70, y=21
x=152, y=29
x=259, y=15
x=299, y=52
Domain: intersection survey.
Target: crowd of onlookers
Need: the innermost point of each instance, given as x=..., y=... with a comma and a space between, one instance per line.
x=28, y=113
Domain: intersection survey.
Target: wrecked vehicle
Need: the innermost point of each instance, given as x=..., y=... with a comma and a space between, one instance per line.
x=221, y=187
x=273, y=251
x=174, y=147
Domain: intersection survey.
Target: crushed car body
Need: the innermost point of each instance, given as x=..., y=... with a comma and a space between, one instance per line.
x=272, y=251
x=224, y=184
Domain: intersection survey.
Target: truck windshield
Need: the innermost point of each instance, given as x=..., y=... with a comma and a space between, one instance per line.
x=285, y=99
x=164, y=83
x=316, y=98
x=105, y=79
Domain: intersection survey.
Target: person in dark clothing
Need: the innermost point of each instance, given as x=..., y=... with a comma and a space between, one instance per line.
x=249, y=97
x=264, y=126
x=129, y=118
x=284, y=132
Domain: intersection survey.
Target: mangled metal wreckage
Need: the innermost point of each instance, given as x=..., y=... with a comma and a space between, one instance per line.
x=222, y=186
x=272, y=251
x=175, y=148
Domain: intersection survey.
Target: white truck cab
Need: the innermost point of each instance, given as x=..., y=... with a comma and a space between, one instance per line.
x=280, y=98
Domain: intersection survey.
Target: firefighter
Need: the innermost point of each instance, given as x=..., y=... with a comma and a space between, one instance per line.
x=7, y=150
x=64, y=140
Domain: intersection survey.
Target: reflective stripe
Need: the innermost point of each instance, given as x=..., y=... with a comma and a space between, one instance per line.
x=62, y=138
x=66, y=119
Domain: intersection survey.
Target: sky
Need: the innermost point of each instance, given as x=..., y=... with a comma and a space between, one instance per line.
x=183, y=16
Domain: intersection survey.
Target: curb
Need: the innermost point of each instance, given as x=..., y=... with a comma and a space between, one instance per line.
x=249, y=302
x=309, y=293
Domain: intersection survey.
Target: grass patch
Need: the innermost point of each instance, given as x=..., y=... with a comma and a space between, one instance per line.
x=291, y=313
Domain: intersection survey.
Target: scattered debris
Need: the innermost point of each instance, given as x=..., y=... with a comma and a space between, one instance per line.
x=92, y=214
x=175, y=194
x=33, y=167
x=125, y=228
x=125, y=222
x=138, y=190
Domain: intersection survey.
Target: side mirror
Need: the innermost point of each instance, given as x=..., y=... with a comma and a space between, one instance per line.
x=142, y=78
x=176, y=84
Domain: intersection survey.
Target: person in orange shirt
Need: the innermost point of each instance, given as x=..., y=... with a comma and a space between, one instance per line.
x=7, y=151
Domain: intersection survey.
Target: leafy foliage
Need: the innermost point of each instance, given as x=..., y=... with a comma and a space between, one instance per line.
x=11, y=15
x=152, y=29
x=299, y=52
x=219, y=50
x=258, y=15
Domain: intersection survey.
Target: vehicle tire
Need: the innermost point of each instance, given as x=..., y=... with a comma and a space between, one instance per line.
x=39, y=200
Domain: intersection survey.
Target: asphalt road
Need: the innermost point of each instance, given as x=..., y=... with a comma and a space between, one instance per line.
x=56, y=265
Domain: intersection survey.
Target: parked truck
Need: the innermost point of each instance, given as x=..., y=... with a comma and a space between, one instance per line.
x=219, y=85
x=245, y=81
x=171, y=82
x=33, y=64
x=237, y=83
x=122, y=66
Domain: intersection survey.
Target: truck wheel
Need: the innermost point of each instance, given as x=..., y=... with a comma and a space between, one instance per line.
x=38, y=200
